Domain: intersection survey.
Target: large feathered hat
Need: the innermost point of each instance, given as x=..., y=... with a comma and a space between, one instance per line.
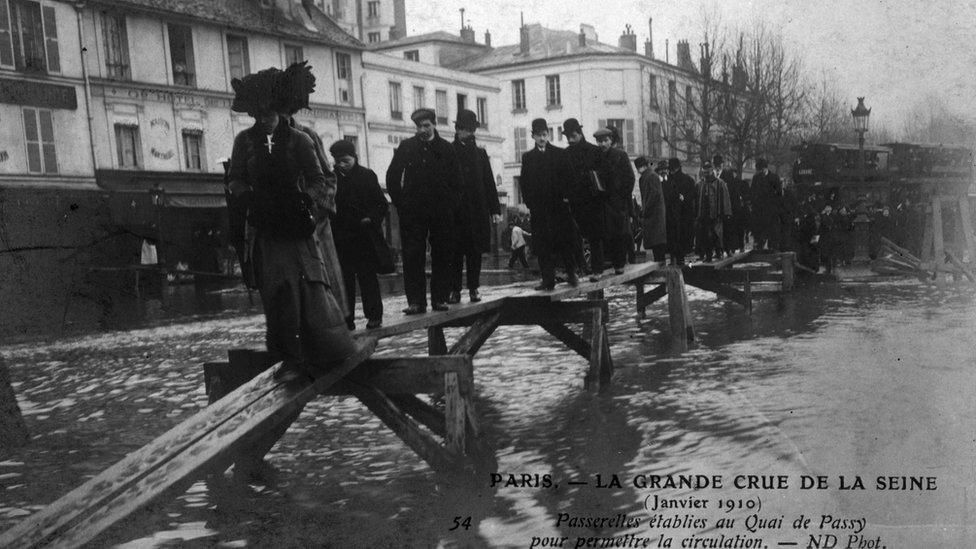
x=296, y=83
x=255, y=93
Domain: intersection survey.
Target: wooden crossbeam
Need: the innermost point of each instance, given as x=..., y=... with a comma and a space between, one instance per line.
x=726, y=262
x=207, y=441
x=427, y=415
x=406, y=375
x=475, y=337
x=722, y=290
x=568, y=338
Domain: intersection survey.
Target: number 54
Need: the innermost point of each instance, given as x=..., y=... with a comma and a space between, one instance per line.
x=458, y=523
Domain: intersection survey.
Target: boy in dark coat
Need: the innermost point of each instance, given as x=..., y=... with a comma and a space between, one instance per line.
x=360, y=210
x=544, y=180
x=618, y=178
x=479, y=208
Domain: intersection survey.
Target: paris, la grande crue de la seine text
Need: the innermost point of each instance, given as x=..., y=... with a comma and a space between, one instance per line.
x=735, y=499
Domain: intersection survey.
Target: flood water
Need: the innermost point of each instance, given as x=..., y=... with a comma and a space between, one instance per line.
x=851, y=379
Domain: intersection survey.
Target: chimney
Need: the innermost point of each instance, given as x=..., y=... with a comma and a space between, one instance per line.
x=589, y=31
x=524, y=38
x=684, y=56
x=667, y=51
x=649, y=45
x=628, y=40
x=488, y=38
x=582, y=39
x=467, y=34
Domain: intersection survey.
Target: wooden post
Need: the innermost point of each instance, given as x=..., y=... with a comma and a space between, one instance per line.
x=937, y=241
x=641, y=308
x=788, y=261
x=747, y=291
x=13, y=430
x=596, y=340
x=682, y=330
x=967, y=229
x=436, y=344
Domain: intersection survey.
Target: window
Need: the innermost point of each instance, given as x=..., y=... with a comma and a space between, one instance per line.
x=129, y=146
x=29, y=38
x=373, y=37
x=672, y=97
x=483, y=112
x=462, y=102
x=344, y=77
x=181, y=54
x=373, y=8
x=237, y=56
x=293, y=54
x=521, y=142
x=39, y=137
x=412, y=55
x=343, y=66
x=396, y=105
x=625, y=129
x=518, y=95
x=193, y=149
x=419, y=97
x=440, y=106
x=553, y=98
x=652, y=85
x=654, y=139
x=689, y=102
x=116, y=46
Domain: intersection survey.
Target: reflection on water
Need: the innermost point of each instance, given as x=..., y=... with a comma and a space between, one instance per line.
x=852, y=380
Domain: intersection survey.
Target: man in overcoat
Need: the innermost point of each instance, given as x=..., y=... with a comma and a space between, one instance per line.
x=424, y=184
x=768, y=203
x=653, y=215
x=479, y=208
x=587, y=202
x=680, y=197
x=714, y=207
x=618, y=178
x=544, y=180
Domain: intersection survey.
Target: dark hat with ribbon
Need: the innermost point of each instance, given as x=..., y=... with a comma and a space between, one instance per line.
x=420, y=115
x=718, y=160
x=342, y=148
x=467, y=120
x=571, y=126
x=539, y=125
x=256, y=93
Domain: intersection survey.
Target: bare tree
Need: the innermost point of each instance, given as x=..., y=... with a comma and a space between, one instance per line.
x=931, y=120
x=827, y=116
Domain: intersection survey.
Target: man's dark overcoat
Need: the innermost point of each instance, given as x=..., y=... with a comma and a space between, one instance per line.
x=544, y=181
x=618, y=178
x=589, y=207
x=479, y=197
x=680, y=200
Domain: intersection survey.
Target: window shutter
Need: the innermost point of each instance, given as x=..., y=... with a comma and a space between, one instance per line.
x=629, y=125
x=32, y=138
x=6, y=46
x=51, y=40
x=47, y=141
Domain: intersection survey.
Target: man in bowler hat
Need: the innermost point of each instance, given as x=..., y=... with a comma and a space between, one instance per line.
x=544, y=181
x=479, y=208
x=424, y=184
x=618, y=178
x=586, y=200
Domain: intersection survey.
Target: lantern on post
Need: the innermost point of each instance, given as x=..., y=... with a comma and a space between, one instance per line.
x=861, y=114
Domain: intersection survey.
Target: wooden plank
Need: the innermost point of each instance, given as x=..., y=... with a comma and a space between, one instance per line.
x=677, y=309
x=952, y=259
x=722, y=290
x=901, y=251
x=937, y=240
x=789, y=274
x=436, y=344
x=639, y=300
x=747, y=292
x=606, y=364
x=727, y=262
x=405, y=375
x=475, y=337
x=206, y=441
x=631, y=272
x=455, y=415
x=428, y=448
x=967, y=228
x=650, y=297
x=427, y=415
x=569, y=338
x=412, y=323
x=597, y=335
x=13, y=430
x=773, y=258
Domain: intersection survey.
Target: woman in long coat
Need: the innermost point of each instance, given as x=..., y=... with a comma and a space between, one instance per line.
x=271, y=166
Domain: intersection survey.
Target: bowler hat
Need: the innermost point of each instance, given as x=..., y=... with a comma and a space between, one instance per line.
x=761, y=163
x=571, y=126
x=420, y=115
x=342, y=148
x=467, y=120
x=539, y=125
x=718, y=160
x=674, y=163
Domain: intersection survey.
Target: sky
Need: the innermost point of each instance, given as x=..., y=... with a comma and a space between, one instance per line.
x=895, y=53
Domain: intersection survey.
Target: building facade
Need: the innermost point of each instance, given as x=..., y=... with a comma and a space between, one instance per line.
x=397, y=88
x=371, y=21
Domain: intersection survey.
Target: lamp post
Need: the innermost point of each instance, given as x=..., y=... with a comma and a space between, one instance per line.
x=860, y=114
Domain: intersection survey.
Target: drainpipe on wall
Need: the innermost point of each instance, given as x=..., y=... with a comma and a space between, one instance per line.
x=79, y=6
x=362, y=98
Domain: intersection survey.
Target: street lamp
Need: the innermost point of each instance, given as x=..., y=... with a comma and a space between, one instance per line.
x=860, y=114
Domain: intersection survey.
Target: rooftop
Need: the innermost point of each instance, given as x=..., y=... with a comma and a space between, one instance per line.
x=544, y=44
x=304, y=21
x=437, y=36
